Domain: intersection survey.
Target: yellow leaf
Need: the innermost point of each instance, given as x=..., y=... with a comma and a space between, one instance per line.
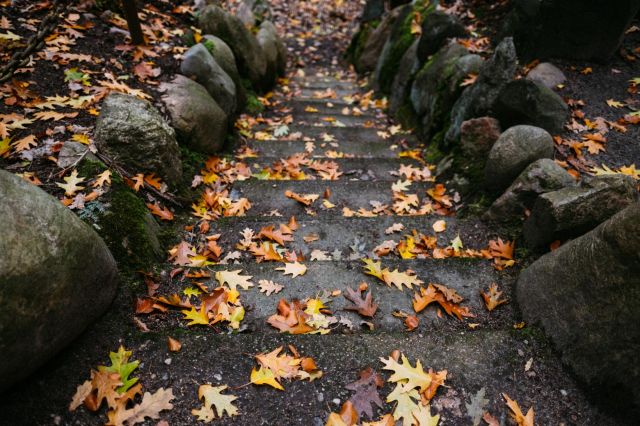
x=408, y=376
x=102, y=179
x=234, y=280
x=614, y=104
x=314, y=306
x=373, y=268
x=516, y=412
x=264, y=376
x=5, y=146
x=82, y=138
x=295, y=269
x=399, y=279
x=195, y=316
x=405, y=404
x=71, y=186
x=213, y=398
x=423, y=416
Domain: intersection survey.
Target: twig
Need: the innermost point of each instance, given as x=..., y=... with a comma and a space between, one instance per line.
x=170, y=198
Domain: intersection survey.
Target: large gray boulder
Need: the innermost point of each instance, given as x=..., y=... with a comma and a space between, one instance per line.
x=200, y=65
x=56, y=277
x=134, y=134
x=437, y=28
x=538, y=178
x=530, y=102
x=514, y=150
x=547, y=74
x=401, y=87
x=274, y=51
x=368, y=58
x=223, y=55
x=586, y=296
x=478, y=99
x=250, y=59
x=373, y=10
x=577, y=29
x=436, y=87
x=572, y=211
x=199, y=122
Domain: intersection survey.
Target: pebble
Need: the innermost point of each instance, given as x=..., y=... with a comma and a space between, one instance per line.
x=320, y=397
x=218, y=377
x=336, y=401
x=564, y=392
x=167, y=361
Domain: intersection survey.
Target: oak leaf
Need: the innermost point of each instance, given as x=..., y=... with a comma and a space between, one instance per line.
x=150, y=406
x=234, y=280
x=492, y=297
x=120, y=364
x=265, y=376
x=366, y=392
x=364, y=306
x=269, y=287
x=516, y=412
x=71, y=186
x=162, y=212
x=213, y=397
x=405, y=404
x=409, y=377
x=296, y=269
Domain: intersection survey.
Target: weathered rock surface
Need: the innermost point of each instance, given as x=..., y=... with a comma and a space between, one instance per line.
x=586, y=296
x=400, y=39
x=401, y=87
x=539, y=177
x=134, y=134
x=570, y=212
x=437, y=86
x=514, y=150
x=372, y=49
x=72, y=153
x=250, y=59
x=477, y=100
x=547, y=74
x=529, y=102
x=199, y=122
x=223, y=55
x=557, y=28
x=437, y=27
x=273, y=49
x=373, y=10
x=56, y=277
x=478, y=135
x=200, y=65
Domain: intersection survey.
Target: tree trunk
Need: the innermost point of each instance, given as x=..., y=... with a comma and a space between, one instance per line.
x=133, y=22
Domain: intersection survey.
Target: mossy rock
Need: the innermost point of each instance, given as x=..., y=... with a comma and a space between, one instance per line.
x=359, y=40
x=399, y=41
x=129, y=230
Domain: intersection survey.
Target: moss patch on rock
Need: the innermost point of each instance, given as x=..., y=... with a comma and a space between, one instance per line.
x=129, y=230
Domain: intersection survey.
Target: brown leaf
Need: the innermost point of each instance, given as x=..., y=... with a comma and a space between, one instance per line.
x=492, y=297
x=366, y=392
x=173, y=344
x=364, y=306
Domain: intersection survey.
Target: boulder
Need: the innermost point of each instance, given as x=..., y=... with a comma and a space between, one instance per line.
x=198, y=64
x=478, y=99
x=538, y=178
x=199, y=122
x=373, y=10
x=273, y=49
x=56, y=277
x=400, y=39
x=547, y=74
x=570, y=212
x=401, y=86
x=478, y=135
x=223, y=55
x=529, y=102
x=368, y=58
x=73, y=153
x=134, y=134
x=249, y=56
x=514, y=150
x=244, y=12
x=576, y=29
x=586, y=296
x=437, y=28
x=436, y=87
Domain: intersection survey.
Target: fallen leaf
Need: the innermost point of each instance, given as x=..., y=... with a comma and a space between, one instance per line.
x=296, y=269
x=213, y=397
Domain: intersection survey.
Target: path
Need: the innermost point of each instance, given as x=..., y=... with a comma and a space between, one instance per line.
x=483, y=352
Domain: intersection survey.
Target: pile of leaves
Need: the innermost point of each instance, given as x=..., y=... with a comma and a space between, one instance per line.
x=114, y=385
x=276, y=366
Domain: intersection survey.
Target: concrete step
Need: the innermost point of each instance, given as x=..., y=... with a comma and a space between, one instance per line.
x=474, y=360
x=351, y=148
x=343, y=234
x=352, y=168
x=328, y=108
x=268, y=196
x=466, y=276
x=338, y=120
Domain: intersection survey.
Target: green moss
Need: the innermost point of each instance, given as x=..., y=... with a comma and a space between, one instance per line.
x=210, y=45
x=432, y=154
x=89, y=168
x=407, y=116
x=254, y=106
x=401, y=39
x=358, y=42
x=127, y=229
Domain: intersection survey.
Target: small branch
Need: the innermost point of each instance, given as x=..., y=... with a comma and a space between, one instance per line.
x=133, y=22
x=170, y=198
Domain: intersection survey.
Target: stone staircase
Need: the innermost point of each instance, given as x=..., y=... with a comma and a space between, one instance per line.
x=486, y=351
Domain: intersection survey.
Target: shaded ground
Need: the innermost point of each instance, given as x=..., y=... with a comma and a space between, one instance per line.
x=489, y=351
